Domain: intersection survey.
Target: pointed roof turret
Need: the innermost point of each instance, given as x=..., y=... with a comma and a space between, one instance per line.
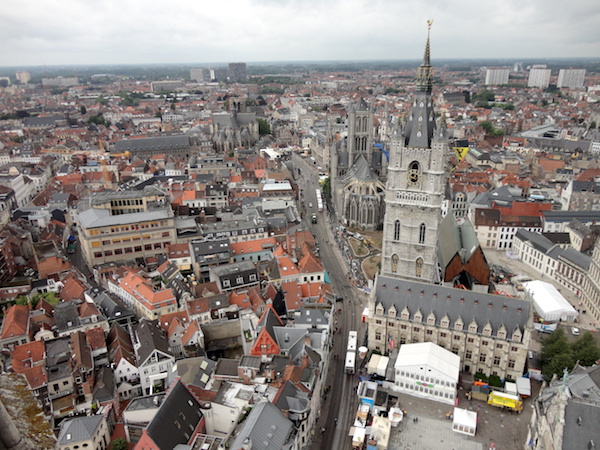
x=424, y=73
x=420, y=126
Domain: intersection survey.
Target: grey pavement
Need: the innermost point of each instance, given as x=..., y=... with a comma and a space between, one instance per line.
x=430, y=434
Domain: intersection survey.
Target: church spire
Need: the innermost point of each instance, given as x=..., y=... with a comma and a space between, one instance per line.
x=424, y=73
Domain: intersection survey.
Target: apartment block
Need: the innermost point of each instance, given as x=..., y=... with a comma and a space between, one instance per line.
x=125, y=225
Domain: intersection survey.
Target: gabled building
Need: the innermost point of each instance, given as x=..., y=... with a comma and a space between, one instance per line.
x=154, y=359
x=138, y=293
x=123, y=362
x=234, y=276
x=74, y=315
x=460, y=256
x=266, y=427
x=179, y=419
x=265, y=343
x=207, y=253
x=84, y=432
x=16, y=327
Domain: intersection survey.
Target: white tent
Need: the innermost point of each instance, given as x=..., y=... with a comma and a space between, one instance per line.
x=464, y=421
x=549, y=303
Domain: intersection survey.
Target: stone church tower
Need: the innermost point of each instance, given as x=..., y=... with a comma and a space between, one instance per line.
x=415, y=189
x=358, y=168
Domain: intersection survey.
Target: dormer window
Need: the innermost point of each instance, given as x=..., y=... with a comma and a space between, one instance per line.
x=487, y=330
x=392, y=311
x=405, y=314
x=473, y=327
x=458, y=325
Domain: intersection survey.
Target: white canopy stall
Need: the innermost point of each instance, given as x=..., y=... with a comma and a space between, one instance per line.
x=549, y=303
x=464, y=421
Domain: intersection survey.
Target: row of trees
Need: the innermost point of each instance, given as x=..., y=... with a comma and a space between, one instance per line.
x=558, y=354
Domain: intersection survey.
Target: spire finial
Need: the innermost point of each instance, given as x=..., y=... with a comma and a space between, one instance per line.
x=424, y=75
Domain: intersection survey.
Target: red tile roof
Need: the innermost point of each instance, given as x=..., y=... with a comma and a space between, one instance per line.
x=16, y=322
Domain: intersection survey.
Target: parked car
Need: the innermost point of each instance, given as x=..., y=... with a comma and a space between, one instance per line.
x=575, y=331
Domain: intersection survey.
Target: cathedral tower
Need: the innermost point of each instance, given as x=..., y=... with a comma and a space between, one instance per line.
x=415, y=188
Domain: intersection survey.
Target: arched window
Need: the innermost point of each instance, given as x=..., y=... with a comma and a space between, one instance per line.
x=419, y=267
x=397, y=230
x=422, y=229
x=395, y=263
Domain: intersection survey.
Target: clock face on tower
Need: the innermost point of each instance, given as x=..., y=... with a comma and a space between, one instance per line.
x=414, y=176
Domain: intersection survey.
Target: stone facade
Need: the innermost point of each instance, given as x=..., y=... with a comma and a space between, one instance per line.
x=490, y=333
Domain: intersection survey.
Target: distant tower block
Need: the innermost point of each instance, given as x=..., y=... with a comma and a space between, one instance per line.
x=237, y=72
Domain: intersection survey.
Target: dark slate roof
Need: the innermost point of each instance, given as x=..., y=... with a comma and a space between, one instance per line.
x=421, y=122
x=104, y=390
x=290, y=340
x=111, y=305
x=581, y=425
x=558, y=238
x=210, y=247
x=45, y=121
x=252, y=362
x=577, y=258
x=158, y=144
x=454, y=303
x=540, y=243
x=292, y=399
x=227, y=367
x=312, y=317
x=151, y=337
x=455, y=238
x=361, y=171
x=176, y=419
x=196, y=371
x=567, y=216
x=78, y=429
x=266, y=427
x=66, y=315
x=586, y=186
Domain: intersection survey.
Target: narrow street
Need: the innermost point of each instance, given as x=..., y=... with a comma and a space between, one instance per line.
x=341, y=402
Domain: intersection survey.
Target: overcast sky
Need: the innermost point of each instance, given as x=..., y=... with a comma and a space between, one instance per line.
x=38, y=32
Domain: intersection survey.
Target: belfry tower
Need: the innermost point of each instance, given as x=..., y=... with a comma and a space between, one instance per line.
x=415, y=187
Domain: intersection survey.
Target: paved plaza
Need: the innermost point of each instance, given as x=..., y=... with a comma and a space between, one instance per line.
x=502, y=429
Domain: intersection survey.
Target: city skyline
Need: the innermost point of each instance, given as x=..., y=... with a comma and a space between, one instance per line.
x=76, y=32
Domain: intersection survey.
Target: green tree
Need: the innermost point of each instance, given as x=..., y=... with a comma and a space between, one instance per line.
x=327, y=187
x=3, y=83
x=593, y=125
x=557, y=354
x=263, y=127
x=83, y=110
x=558, y=364
x=585, y=350
x=119, y=444
x=98, y=119
x=487, y=126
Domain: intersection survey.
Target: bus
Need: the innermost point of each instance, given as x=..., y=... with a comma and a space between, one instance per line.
x=352, y=340
x=350, y=360
x=319, y=200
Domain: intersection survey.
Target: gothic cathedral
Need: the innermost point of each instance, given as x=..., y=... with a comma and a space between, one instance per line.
x=358, y=172
x=415, y=189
